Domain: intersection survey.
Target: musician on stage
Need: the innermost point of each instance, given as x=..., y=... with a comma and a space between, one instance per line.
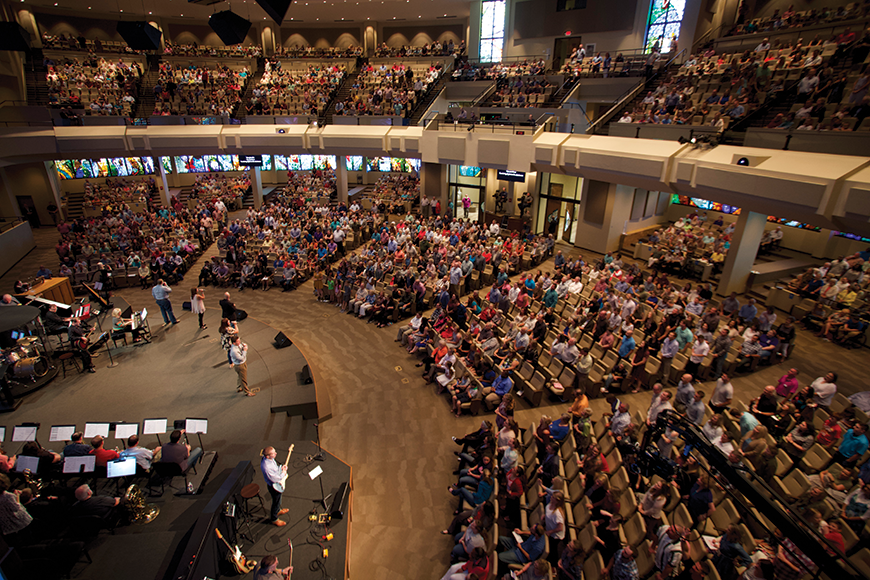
x=78, y=338
x=273, y=474
x=268, y=569
x=54, y=322
x=121, y=324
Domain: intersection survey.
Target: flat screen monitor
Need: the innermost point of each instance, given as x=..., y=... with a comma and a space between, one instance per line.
x=61, y=432
x=154, y=426
x=94, y=429
x=510, y=175
x=83, y=464
x=123, y=467
x=24, y=433
x=251, y=160
x=124, y=430
x=27, y=463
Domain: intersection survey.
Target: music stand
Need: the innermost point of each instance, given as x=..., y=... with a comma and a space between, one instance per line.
x=24, y=433
x=83, y=464
x=315, y=474
x=94, y=429
x=124, y=430
x=61, y=432
x=155, y=427
x=123, y=467
x=25, y=463
x=196, y=426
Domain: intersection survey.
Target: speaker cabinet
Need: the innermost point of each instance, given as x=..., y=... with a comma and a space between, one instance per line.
x=13, y=36
x=276, y=9
x=281, y=341
x=339, y=502
x=140, y=35
x=230, y=27
x=305, y=376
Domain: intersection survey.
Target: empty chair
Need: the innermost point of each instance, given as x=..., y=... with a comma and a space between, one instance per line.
x=635, y=529
x=796, y=484
x=534, y=390
x=815, y=460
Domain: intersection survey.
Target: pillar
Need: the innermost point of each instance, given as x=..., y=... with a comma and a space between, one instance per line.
x=433, y=183
x=827, y=249
x=257, y=187
x=741, y=256
x=341, y=178
x=163, y=186
x=602, y=212
x=55, y=187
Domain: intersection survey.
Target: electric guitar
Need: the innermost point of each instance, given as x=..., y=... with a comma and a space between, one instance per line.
x=241, y=564
x=279, y=486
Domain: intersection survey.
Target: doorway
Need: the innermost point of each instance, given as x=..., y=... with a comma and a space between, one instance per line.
x=475, y=195
x=28, y=210
x=563, y=48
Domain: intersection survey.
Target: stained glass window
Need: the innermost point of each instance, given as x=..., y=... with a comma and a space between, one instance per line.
x=665, y=17
x=492, y=30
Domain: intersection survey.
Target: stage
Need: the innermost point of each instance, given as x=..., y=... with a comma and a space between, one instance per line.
x=182, y=374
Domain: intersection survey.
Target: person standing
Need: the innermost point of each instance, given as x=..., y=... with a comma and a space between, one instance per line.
x=228, y=308
x=161, y=292
x=273, y=474
x=197, y=304
x=239, y=362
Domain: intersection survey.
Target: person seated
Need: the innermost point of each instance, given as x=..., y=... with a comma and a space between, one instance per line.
x=54, y=322
x=76, y=448
x=103, y=455
x=143, y=456
x=180, y=453
x=121, y=324
x=509, y=552
x=88, y=504
x=268, y=569
x=47, y=459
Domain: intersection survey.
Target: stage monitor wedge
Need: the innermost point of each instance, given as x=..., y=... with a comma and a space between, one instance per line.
x=13, y=36
x=139, y=35
x=281, y=341
x=230, y=27
x=276, y=9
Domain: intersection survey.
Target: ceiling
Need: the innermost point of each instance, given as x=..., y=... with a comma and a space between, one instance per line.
x=308, y=11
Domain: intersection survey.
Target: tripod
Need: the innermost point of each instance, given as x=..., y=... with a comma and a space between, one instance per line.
x=319, y=455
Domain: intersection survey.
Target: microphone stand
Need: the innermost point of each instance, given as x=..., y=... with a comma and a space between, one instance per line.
x=319, y=455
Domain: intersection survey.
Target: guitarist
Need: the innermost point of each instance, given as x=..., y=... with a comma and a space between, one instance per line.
x=274, y=476
x=268, y=569
x=78, y=338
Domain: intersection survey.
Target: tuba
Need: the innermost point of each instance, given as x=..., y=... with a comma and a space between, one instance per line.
x=139, y=511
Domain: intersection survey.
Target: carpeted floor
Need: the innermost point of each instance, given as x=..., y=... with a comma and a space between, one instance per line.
x=391, y=428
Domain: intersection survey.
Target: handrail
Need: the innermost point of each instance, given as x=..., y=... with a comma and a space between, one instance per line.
x=743, y=123
x=14, y=103
x=704, y=37
x=482, y=97
x=628, y=95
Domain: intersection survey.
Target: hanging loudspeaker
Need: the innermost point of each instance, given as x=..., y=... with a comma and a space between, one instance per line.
x=230, y=27
x=139, y=35
x=276, y=9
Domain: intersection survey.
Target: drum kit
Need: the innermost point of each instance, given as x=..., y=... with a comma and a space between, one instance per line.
x=25, y=361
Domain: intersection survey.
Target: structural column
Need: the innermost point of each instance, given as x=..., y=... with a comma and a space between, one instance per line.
x=741, y=256
x=257, y=187
x=433, y=183
x=341, y=178
x=163, y=186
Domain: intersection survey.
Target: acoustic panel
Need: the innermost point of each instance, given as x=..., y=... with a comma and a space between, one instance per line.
x=492, y=152
x=139, y=35
x=230, y=27
x=451, y=148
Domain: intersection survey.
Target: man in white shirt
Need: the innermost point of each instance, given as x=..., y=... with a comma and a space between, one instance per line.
x=143, y=456
x=699, y=350
x=763, y=46
x=722, y=394
x=660, y=403
x=406, y=330
x=825, y=388
x=239, y=363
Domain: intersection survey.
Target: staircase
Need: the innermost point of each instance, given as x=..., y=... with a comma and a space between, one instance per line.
x=34, y=77
x=429, y=98
x=145, y=103
x=342, y=93
x=651, y=85
x=241, y=111
x=555, y=100
x=75, y=203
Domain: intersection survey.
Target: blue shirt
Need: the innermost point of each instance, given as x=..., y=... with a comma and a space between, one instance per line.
x=747, y=312
x=748, y=422
x=853, y=445
x=628, y=345
x=684, y=336
x=160, y=292
x=502, y=385
x=670, y=348
x=559, y=431
x=533, y=546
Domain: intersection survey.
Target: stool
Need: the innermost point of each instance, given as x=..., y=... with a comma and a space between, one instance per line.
x=251, y=491
x=65, y=358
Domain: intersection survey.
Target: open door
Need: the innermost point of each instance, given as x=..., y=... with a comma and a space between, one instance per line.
x=563, y=48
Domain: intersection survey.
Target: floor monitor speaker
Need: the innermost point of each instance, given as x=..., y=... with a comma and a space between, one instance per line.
x=339, y=502
x=281, y=341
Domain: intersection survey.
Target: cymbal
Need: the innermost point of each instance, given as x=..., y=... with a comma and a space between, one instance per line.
x=27, y=340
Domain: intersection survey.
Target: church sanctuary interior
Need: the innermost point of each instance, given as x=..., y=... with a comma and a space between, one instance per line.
x=434, y=289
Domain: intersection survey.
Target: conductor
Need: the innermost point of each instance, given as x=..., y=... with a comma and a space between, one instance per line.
x=274, y=476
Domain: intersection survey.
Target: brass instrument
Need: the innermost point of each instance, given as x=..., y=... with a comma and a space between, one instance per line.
x=139, y=511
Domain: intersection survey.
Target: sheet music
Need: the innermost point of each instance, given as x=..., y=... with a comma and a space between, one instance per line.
x=83, y=464
x=124, y=430
x=61, y=432
x=315, y=472
x=196, y=426
x=94, y=429
x=2, y=433
x=24, y=433
x=25, y=462
x=154, y=426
